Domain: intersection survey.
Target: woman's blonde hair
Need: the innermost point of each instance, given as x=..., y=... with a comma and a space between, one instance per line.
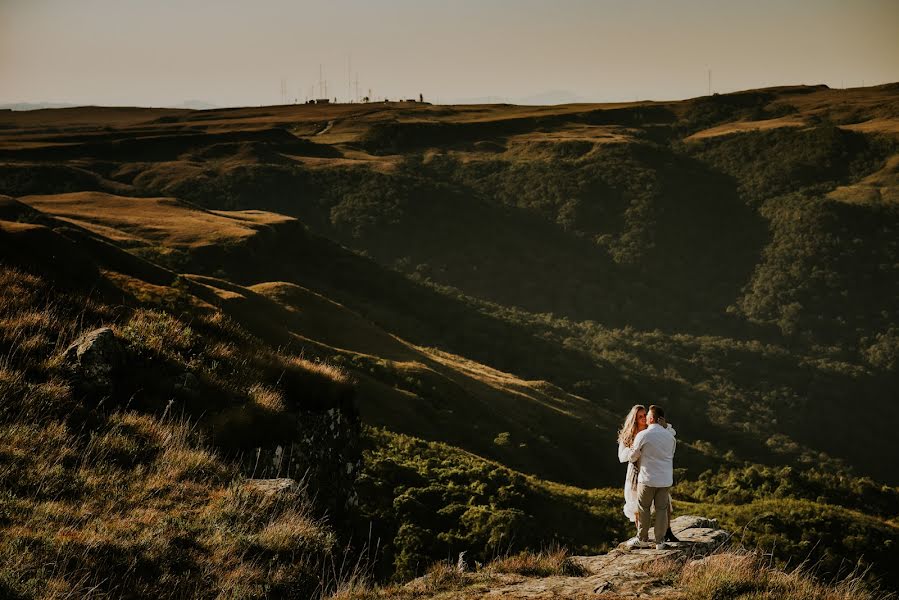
x=628, y=430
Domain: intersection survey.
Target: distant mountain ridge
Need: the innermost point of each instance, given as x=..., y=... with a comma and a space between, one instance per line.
x=35, y=105
x=24, y=106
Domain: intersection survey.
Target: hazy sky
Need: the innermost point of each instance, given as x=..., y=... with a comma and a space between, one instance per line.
x=236, y=52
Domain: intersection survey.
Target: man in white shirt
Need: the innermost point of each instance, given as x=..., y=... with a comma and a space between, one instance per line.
x=654, y=447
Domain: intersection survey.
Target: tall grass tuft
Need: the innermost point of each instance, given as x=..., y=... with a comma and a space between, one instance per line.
x=747, y=575
x=554, y=560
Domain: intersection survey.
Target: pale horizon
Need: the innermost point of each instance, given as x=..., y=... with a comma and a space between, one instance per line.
x=228, y=53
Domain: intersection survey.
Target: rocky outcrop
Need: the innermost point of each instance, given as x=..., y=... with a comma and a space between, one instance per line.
x=95, y=357
x=625, y=573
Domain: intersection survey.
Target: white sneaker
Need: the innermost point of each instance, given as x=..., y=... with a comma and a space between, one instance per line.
x=635, y=542
x=662, y=546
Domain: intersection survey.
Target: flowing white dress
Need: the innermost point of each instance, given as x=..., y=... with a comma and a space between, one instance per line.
x=631, y=503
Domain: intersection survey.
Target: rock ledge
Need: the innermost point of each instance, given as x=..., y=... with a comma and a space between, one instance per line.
x=626, y=573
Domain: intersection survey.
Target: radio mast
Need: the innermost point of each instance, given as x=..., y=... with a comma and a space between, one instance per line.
x=322, y=84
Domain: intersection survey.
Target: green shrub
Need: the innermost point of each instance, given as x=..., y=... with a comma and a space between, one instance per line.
x=426, y=500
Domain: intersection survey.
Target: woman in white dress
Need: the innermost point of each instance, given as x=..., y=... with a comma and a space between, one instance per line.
x=634, y=423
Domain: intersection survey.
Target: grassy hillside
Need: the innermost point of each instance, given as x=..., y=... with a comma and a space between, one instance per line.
x=500, y=283
x=138, y=490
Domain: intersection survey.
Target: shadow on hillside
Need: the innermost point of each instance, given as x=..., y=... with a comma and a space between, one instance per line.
x=162, y=145
x=686, y=248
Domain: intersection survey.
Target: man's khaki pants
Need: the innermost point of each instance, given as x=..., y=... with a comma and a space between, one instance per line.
x=646, y=495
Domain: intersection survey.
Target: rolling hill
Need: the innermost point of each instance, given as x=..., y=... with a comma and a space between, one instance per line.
x=506, y=281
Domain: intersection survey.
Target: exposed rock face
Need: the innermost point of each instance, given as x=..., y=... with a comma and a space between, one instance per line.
x=95, y=356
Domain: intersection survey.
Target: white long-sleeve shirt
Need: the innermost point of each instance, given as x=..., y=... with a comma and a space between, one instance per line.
x=654, y=446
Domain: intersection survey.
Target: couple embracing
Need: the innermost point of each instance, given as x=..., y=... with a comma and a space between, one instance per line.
x=646, y=443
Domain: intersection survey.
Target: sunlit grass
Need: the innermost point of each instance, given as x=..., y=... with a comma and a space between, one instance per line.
x=98, y=500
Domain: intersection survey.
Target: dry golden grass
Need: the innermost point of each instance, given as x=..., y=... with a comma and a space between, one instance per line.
x=879, y=187
x=474, y=388
x=112, y=503
x=268, y=398
x=440, y=577
x=747, y=576
x=663, y=568
x=537, y=395
x=744, y=126
x=132, y=493
x=14, y=228
x=292, y=531
x=151, y=294
x=889, y=126
x=326, y=371
x=443, y=580
x=731, y=575
x=446, y=579
x=320, y=319
x=152, y=221
x=555, y=560
x=36, y=325
x=158, y=331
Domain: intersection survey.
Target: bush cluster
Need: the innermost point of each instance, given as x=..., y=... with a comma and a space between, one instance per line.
x=426, y=501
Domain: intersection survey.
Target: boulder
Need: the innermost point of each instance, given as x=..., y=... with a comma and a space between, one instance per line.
x=685, y=522
x=95, y=356
x=281, y=486
x=697, y=535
